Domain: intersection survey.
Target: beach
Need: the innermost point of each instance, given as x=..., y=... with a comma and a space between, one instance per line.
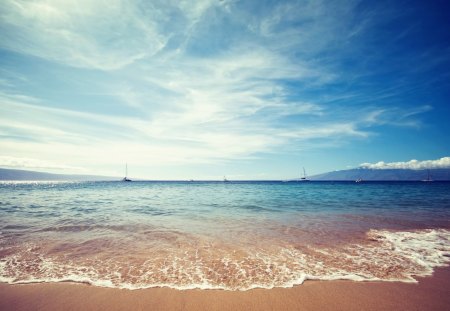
x=224, y=155
x=431, y=293
x=224, y=246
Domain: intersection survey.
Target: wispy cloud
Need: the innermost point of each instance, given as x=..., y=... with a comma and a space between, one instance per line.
x=92, y=34
x=395, y=116
x=413, y=164
x=182, y=82
x=188, y=136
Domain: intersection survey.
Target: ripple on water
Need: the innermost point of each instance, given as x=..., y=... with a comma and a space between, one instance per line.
x=210, y=235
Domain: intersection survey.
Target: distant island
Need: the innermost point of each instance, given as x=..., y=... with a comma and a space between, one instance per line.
x=365, y=174
x=12, y=174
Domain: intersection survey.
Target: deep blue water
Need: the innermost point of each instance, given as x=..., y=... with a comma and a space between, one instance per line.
x=36, y=204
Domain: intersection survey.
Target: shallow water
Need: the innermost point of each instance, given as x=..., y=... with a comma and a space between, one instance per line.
x=236, y=236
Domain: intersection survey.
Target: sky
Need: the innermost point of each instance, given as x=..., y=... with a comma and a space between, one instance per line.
x=205, y=89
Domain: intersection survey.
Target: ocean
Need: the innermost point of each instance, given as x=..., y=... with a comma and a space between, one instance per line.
x=216, y=235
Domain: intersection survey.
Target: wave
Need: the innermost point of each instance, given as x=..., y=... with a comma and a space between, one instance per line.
x=383, y=256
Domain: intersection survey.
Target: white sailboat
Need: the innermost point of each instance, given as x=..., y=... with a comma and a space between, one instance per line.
x=304, y=178
x=126, y=173
x=428, y=177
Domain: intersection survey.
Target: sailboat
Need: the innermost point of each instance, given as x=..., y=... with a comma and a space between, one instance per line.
x=126, y=174
x=225, y=179
x=428, y=177
x=304, y=176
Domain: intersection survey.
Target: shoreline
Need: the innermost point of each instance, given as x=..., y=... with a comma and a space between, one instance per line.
x=430, y=293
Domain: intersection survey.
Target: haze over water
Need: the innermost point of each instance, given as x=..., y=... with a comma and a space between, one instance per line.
x=235, y=236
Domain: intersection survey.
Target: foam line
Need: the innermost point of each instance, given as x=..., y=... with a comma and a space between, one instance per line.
x=385, y=256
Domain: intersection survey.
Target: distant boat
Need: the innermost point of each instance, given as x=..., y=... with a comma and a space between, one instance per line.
x=304, y=178
x=126, y=174
x=428, y=177
x=225, y=179
x=359, y=180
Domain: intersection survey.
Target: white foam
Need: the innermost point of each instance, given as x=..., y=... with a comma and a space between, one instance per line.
x=386, y=256
x=427, y=248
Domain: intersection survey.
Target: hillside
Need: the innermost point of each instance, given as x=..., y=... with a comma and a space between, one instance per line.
x=384, y=174
x=11, y=174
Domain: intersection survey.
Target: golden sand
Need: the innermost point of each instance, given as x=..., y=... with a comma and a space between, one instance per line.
x=431, y=293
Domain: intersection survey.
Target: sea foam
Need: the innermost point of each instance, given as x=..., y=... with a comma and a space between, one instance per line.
x=384, y=255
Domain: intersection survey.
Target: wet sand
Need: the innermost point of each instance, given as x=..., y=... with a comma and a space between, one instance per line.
x=431, y=293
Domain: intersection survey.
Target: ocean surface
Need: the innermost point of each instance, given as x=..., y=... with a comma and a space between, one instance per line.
x=234, y=236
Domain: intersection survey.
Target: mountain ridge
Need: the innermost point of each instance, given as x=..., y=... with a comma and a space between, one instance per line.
x=439, y=174
x=442, y=174
x=15, y=174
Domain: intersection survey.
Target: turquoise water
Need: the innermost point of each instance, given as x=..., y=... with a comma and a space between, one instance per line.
x=236, y=235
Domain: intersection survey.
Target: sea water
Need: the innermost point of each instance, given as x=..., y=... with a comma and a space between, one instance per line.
x=234, y=235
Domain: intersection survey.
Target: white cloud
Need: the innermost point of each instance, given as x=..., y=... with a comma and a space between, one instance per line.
x=186, y=82
x=209, y=129
x=413, y=164
x=95, y=34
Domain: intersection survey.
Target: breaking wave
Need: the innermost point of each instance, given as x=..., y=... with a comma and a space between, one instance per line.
x=383, y=255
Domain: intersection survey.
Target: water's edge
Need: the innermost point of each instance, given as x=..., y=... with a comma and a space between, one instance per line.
x=390, y=256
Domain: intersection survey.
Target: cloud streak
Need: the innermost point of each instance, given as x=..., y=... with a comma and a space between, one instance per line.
x=76, y=34
x=176, y=82
x=188, y=136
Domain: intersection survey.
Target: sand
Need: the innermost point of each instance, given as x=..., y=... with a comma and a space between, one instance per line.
x=431, y=293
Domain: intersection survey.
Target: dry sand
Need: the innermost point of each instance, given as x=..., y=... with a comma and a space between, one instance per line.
x=431, y=293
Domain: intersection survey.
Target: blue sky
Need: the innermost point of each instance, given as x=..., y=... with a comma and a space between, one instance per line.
x=202, y=89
